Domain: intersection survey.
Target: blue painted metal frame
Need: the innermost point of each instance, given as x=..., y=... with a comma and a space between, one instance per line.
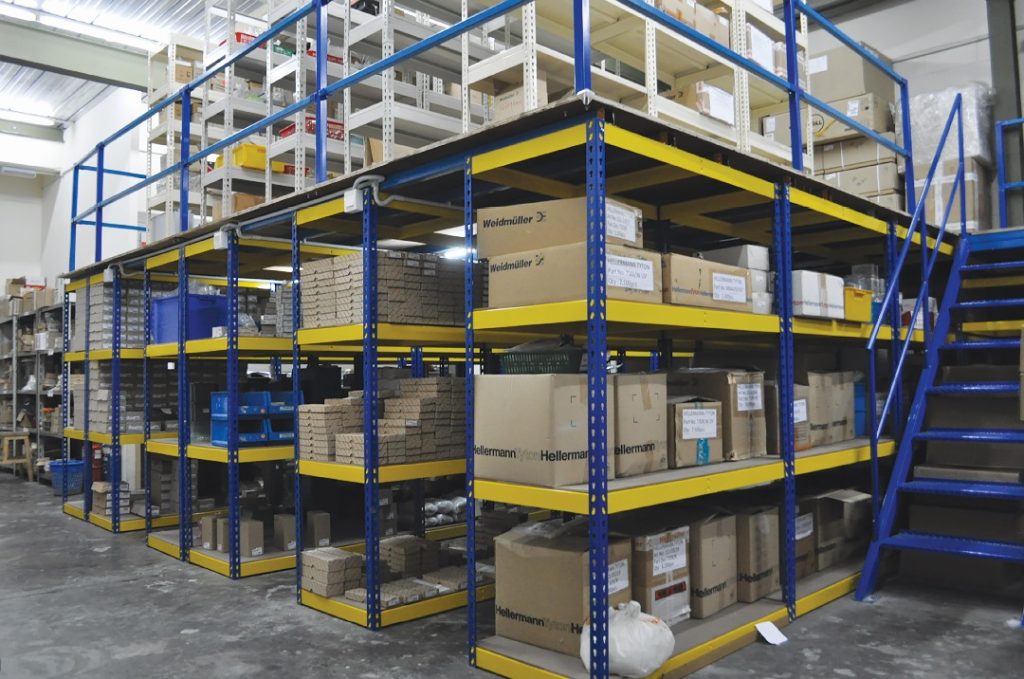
x=86, y=444
x=184, y=416
x=371, y=462
x=320, y=161
x=470, y=356
x=234, y=501
x=147, y=425
x=597, y=397
x=100, y=152
x=115, y=405
x=297, y=398
x=65, y=402
x=1003, y=185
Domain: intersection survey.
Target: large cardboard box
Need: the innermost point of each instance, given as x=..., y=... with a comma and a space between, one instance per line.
x=284, y=532
x=976, y=193
x=852, y=153
x=841, y=519
x=641, y=423
x=866, y=109
x=830, y=407
x=512, y=102
x=695, y=431
x=223, y=534
x=869, y=180
x=373, y=149
x=840, y=73
x=801, y=427
x=531, y=226
x=542, y=583
x=559, y=274
x=697, y=282
x=806, y=561
x=533, y=428
x=712, y=564
x=708, y=100
x=250, y=537
x=660, y=572
x=208, y=532
x=744, y=256
x=318, y=529
x=757, y=553
x=818, y=295
x=741, y=394
x=712, y=24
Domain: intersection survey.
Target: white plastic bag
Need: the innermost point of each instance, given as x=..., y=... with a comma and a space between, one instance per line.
x=638, y=644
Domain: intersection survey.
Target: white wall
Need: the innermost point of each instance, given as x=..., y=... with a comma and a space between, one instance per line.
x=21, y=201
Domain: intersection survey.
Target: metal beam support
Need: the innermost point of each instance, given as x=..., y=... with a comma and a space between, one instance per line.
x=115, y=405
x=371, y=468
x=32, y=131
x=234, y=505
x=297, y=399
x=65, y=403
x=59, y=52
x=1002, y=45
x=147, y=296
x=184, y=422
x=470, y=356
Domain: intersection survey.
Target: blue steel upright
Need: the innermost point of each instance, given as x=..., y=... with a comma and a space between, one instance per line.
x=470, y=356
x=297, y=399
x=98, y=254
x=65, y=403
x=581, y=46
x=186, y=125
x=115, y=406
x=597, y=399
x=321, y=96
x=184, y=416
x=147, y=428
x=74, y=220
x=793, y=76
x=234, y=501
x=86, y=444
x=371, y=466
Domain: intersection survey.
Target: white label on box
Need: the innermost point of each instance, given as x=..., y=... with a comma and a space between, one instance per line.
x=762, y=48
x=700, y=424
x=630, y=273
x=207, y=545
x=853, y=107
x=257, y=551
x=619, y=222
x=291, y=544
x=769, y=125
x=728, y=288
x=804, y=526
x=618, y=576
x=800, y=411
x=817, y=64
x=721, y=105
x=748, y=397
x=669, y=557
x=323, y=542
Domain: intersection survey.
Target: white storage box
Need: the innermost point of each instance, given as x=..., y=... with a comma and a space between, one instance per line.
x=818, y=295
x=746, y=256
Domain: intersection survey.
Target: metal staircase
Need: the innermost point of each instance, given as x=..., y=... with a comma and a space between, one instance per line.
x=950, y=341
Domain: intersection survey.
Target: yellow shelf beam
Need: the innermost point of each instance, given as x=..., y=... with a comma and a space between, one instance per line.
x=103, y=355
x=529, y=149
x=246, y=454
x=80, y=283
x=353, y=473
x=355, y=613
x=992, y=326
x=166, y=447
x=103, y=437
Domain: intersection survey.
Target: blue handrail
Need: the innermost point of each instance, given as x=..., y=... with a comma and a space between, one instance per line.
x=1004, y=186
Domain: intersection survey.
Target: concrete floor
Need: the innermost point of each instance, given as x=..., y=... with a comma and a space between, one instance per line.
x=78, y=601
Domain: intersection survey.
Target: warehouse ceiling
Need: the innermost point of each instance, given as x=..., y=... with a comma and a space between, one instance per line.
x=46, y=78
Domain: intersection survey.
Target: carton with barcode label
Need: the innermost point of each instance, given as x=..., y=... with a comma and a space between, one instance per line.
x=757, y=552
x=695, y=434
x=661, y=574
x=741, y=393
x=697, y=282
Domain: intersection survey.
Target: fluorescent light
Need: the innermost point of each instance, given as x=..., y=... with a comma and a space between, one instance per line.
x=454, y=253
x=98, y=32
x=396, y=244
x=18, y=171
x=17, y=13
x=281, y=269
x=30, y=118
x=223, y=14
x=456, y=231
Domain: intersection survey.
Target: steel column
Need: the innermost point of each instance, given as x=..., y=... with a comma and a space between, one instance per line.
x=147, y=427
x=115, y=407
x=74, y=217
x=1000, y=173
x=98, y=250
x=1005, y=60
x=186, y=125
x=895, y=325
x=184, y=416
x=321, y=96
x=793, y=76
x=467, y=305
x=65, y=402
x=908, y=147
x=581, y=47
x=86, y=444
x=371, y=468
x=234, y=506
x=297, y=399
x=597, y=397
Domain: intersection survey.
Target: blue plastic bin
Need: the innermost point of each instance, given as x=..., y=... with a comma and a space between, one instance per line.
x=281, y=429
x=250, y=404
x=74, y=469
x=205, y=312
x=860, y=425
x=281, y=403
x=250, y=432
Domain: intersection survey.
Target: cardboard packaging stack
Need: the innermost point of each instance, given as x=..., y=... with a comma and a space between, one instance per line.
x=757, y=553
x=660, y=572
x=165, y=484
x=712, y=563
x=542, y=583
x=102, y=498
x=818, y=295
x=100, y=318
x=397, y=593
x=453, y=579
x=405, y=556
x=756, y=260
x=830, y=407
x=331, y=572
x=976, y=183
x=537, y=253
x=740, y=394
x=552, y=450
x=319, y=425
x=413, y=288
x=163, y=399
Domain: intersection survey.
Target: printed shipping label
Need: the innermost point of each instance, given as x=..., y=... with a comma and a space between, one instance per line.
x=800, y=411
x=804, y=526
x=728, y=288
x=817, y=64
x=618, y=576
x=853, y=108
x=700, y=424
x=630, y=273
x=721, y=105
x=669, y=557
x=324, y=542
x=619, y=222
x=749, y=397
x=257, y=551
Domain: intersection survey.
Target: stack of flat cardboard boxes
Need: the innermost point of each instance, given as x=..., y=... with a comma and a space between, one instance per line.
x=319, y=425
x=405, y=556
x=163, y=402
x=103, y=497
x=725, y=284
x=165, y=484
x=331, y=572
x=100, y=318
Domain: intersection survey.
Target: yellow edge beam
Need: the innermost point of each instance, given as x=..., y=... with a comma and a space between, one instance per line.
x=164, y=258
x=353, y=473
x=992, y=326
x=641, y=145
x=127, y=525
x=993, y=282
x=168, y=548
x=103, y=355
x=199, y=247
x=432, y=606
x=247, y=454
x=82, y=282
x=671, y=491
x=531, y=496
x=504, y=666
x=531, y=148
x=320, y=211
x=168, y=448
x=164, y=521
x=209, y=563
x=689, y=317
x=816, y=600
x=842, y=458
x=334, y=608
x=268, y=565
x=74, y=510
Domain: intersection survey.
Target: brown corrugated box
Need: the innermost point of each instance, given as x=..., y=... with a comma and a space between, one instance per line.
x=757, y=552
x=284, y=532
x=542, y=583
x=695, y=431
x=660, y=567
x=559, y=274
x=250, y=537
x=830, y=407
x=869, y=180
x=690, y=281
x=801, y=425
x=318, y=529
x=976, y=186
x=866, y=109
x=712, y=564
x=852, y=153
x=840, y=72
x=741, y=394
x=841, y=524
x=641, y=423
x=806, y=562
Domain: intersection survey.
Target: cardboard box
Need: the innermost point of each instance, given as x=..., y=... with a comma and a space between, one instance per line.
x=818, y=295
x=757, y=553
x=542, y=583
x=866, y=109
x=711, y=24
x=318, y=529
x=695, y=431
x=801, y=427
x=741, y=394
x=373, y=150
x=208, y=533
x=743, y=256
x=223, y=534
x=830, y=407
x=708, y=100
x=552, y=450
x=531, y=226
x=806, y=561
x=760, y=48
x=284, y=532
x=559, y=274
x=250, y=537
x=660, y=573
x=852, y=153
x=867, y=180
x=840, y=73
x=976, y=185
x=512, y=102
x=684, y=10
x=712, y=564
x=842, y=519
x=183, y=74
x=690, y=281
x=641, y=423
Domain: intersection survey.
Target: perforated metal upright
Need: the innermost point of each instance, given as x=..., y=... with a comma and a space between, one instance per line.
x=65, y=401
x=234, y=505
x=86, y=445
x=371, y=467
x=147, y=295
x=115, y=405
x=184, y=418
x=297, y=396
x=470, y=356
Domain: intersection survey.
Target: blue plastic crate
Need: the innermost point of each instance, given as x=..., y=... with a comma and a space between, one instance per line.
x=282, y=403
x=250, y=404
x=74, y=470
x=281, y=428
x=250, y=432
x=860, y=425
x=205, y=312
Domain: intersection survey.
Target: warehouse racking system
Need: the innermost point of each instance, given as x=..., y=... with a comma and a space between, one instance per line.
x=587, y=145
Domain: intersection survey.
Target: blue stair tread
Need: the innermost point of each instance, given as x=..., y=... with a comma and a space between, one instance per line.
x=1007, y=491
x=989, y=303
x=986, y=435
x=981, y=345
x=993, y=266
x=926, y=542
x=989, y=388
